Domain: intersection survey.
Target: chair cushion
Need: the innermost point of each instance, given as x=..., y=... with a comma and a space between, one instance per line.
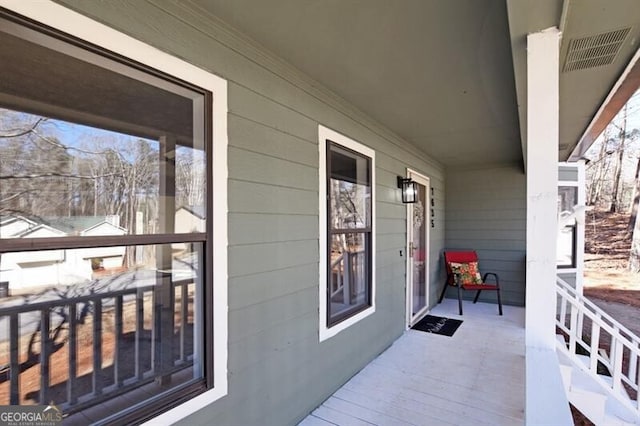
x=468, y=272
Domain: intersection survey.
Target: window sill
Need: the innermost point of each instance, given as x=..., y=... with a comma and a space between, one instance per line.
x=328, y=332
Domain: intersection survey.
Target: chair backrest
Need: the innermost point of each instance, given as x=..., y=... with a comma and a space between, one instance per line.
x=458, y=257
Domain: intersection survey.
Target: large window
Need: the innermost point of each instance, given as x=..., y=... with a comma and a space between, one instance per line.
x=106, y=229
x=347, y=286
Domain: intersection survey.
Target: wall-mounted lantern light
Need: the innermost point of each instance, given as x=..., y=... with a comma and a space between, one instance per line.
x=409, y=189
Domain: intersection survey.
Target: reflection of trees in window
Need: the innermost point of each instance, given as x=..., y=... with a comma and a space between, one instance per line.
x=54, y=168
x=51, y=168
x=94, y=153
x=349, y=220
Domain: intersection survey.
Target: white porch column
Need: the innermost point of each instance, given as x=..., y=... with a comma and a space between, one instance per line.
x=545, y=400
x=542, y=185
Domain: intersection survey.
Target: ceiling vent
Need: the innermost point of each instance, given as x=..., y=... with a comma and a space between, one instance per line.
x=594, y=51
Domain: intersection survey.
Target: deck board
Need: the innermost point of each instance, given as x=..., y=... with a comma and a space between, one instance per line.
x=475, y=377
x=312, y=420
x=337, y=417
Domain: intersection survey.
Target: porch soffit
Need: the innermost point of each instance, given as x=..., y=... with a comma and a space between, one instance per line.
x=582, y=91
x=437, y=73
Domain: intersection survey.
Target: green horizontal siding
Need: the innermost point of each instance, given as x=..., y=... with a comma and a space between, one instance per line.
x=278, y=370
x=486, y=212
x=567, y=174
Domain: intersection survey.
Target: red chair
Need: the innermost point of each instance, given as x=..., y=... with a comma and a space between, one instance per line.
x=465, y=276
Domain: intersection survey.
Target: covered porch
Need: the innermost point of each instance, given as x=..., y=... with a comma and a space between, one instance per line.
x=476, y=376
x=483, y=98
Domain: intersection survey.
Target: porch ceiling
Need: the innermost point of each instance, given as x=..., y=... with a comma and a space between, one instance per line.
x=582, y=91
x=438, y=73
x=448, y=76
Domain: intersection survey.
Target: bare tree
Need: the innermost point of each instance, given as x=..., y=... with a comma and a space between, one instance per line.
x=634, y=254
x=190, y=177
x=597, y=169
x=615, y=202
x=633, y=228
x=636, y=200
x=41, y=175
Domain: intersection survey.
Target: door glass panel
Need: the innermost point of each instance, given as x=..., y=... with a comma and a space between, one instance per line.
x=419, y=252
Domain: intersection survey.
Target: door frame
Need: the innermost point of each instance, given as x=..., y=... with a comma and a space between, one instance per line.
x=411, y=319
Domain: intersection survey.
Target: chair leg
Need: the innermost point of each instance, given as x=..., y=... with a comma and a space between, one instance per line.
x=477, y=296
x=444, y=290
x=459, y=300
x=499, y=301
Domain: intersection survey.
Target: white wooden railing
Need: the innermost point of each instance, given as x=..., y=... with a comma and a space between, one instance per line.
x=347, y=276
x=590, y=330
x=339, y=269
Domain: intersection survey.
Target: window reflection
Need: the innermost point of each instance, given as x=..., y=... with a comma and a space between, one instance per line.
x=567, y=235
x=103, y=217
x=66, y=179
x=350, y=229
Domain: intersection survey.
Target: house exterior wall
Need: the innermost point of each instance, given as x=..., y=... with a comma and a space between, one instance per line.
x=25, y=270
x=278, y=369
x=188, y=222
x=486, y=212
x=567, y=173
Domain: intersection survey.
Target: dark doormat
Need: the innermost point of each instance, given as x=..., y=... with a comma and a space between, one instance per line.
x=438, y=325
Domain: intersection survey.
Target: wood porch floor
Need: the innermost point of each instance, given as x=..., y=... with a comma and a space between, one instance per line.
x=475, y=377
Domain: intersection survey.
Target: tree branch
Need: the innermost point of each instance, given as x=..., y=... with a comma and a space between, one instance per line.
x=23, y=132
x=60, y=145
x=55, y=174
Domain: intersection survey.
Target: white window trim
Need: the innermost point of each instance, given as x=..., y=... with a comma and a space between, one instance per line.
x=80, y=26
x=571, y=270
x=325, y=134
x=580, y=226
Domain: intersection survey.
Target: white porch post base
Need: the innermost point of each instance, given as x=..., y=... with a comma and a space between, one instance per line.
x=546, y=402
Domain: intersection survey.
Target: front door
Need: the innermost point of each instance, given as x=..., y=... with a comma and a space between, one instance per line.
x=418, y=220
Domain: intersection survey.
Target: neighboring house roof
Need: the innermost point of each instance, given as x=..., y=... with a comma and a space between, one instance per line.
x=198, y=211
x=105, y=222
x=12, y=225
x=41, y=227
x=75, y=225
x=7, y=219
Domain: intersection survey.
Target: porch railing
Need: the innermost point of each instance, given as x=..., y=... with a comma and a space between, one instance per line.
x=347, y=276
x=338, y=270
x=56, y=323
x=610, y=347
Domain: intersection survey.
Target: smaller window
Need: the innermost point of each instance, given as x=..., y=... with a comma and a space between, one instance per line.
x=567, y=235
x=347, y=252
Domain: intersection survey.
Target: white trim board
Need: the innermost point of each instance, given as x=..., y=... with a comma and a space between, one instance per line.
x=426, y=181
x=578, y=270
x=80, y=26
x=325, y=134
